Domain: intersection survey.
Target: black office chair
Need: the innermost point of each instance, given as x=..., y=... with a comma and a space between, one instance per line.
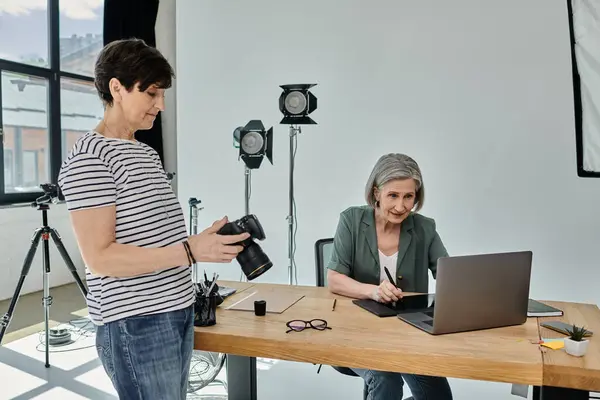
x=323, y=248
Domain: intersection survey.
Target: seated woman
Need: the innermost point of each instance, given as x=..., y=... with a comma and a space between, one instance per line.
x=388, y=233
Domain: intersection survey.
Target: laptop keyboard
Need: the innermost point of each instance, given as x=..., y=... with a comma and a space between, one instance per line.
x=429, y=313
x=430, y=323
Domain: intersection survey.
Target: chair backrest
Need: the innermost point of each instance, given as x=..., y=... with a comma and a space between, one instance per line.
x=323, y=249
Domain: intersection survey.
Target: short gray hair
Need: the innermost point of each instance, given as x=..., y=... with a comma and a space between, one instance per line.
x=391, y=167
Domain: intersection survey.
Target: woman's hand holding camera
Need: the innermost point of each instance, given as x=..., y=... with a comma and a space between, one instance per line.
x=386, y=292
x=209, y=246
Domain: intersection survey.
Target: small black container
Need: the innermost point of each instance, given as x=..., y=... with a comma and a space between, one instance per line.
x=260, y=307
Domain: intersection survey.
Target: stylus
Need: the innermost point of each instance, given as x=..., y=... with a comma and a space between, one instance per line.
x=387, y=272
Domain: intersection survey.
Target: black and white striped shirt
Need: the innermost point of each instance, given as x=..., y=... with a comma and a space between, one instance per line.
x=102, y=171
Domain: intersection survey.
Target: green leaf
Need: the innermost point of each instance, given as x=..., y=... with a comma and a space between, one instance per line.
x=577, y=333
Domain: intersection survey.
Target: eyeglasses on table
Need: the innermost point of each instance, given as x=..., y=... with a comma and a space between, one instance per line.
x=298, y=325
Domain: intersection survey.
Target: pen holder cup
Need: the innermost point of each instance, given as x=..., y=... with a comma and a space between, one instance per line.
x=205, y=310
x=215, y=292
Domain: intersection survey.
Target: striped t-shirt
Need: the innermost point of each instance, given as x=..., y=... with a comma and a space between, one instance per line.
x=128, y=174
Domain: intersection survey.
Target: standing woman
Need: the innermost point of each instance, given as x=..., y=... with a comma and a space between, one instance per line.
x=131, y=232
x=388, y=232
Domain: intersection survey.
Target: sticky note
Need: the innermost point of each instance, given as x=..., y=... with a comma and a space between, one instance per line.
x=554, y=344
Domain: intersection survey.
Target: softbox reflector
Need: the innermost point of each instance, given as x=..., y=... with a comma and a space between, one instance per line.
x=584, y=22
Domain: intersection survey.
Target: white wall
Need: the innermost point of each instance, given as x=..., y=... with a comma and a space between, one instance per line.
x=480, y=93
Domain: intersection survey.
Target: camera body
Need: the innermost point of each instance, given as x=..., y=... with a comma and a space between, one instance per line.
x=253, y=260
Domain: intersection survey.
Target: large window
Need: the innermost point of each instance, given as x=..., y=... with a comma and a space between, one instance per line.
x=47, y=95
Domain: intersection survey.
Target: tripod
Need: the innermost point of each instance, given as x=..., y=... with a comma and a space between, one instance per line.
x=43, y=233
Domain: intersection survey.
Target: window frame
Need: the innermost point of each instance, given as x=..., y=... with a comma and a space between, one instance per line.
x=53, y=75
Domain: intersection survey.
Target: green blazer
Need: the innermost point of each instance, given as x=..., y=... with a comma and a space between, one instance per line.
x=356, y=255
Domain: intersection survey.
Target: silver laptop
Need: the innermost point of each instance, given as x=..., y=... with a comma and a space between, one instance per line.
x=476, y=292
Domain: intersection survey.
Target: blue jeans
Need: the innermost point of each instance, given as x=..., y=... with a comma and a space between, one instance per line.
x=390, y=385
x=148, y=357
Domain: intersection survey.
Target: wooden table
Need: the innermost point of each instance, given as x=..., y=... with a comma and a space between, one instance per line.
x=500, y=355
x=565, y=371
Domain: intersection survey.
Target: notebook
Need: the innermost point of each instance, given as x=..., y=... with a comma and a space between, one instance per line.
x=537, y=309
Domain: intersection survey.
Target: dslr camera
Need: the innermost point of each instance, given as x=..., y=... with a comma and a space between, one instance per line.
x=253, y=260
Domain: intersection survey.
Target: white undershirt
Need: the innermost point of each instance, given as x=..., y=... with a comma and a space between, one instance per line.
x=389, y=262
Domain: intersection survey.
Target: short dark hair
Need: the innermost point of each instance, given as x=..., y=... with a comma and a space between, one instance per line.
x=131, y=61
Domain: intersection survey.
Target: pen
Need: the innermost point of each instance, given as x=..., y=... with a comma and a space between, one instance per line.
x=387, y=272
x=211, y=287
x=333, y=308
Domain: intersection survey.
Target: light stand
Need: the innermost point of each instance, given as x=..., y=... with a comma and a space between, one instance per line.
x=254, y=143
x=247, y=170
x=248, y=189
x=291, y=218
x=247, y=192
x=44, y=233
x=296, y=103
x=193, y=203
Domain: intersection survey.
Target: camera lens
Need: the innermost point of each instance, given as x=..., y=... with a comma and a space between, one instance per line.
x=253, y=261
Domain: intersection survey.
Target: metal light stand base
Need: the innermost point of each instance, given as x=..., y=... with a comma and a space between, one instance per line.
x=44, y=233
x=294, y=131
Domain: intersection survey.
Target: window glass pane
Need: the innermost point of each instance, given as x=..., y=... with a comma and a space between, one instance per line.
x=9, y=168
x=25, y=123
x=30, y=167
x=81, y=110
x=24, y=31
x=81, y=27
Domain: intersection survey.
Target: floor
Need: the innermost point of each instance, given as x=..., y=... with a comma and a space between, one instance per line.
x=76, y=373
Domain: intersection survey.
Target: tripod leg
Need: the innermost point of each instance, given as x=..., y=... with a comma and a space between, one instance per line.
x=63, y=252
x=5, y=321
x=47, y=299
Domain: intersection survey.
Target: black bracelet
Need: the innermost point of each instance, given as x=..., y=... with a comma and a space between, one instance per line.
x=189, y=252
x=189, y=249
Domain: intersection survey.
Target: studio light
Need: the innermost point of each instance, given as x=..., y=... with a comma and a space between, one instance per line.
x=254, y=143
x=296, y=103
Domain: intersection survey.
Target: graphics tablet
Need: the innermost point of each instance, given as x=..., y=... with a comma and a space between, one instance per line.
x=406, y=304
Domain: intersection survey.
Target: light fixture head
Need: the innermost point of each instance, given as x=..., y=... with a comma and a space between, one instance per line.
x=296, y=102
x=254, y=143
x=236, y=136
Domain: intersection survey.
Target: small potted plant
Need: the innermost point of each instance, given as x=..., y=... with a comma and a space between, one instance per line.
x=576, y=344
